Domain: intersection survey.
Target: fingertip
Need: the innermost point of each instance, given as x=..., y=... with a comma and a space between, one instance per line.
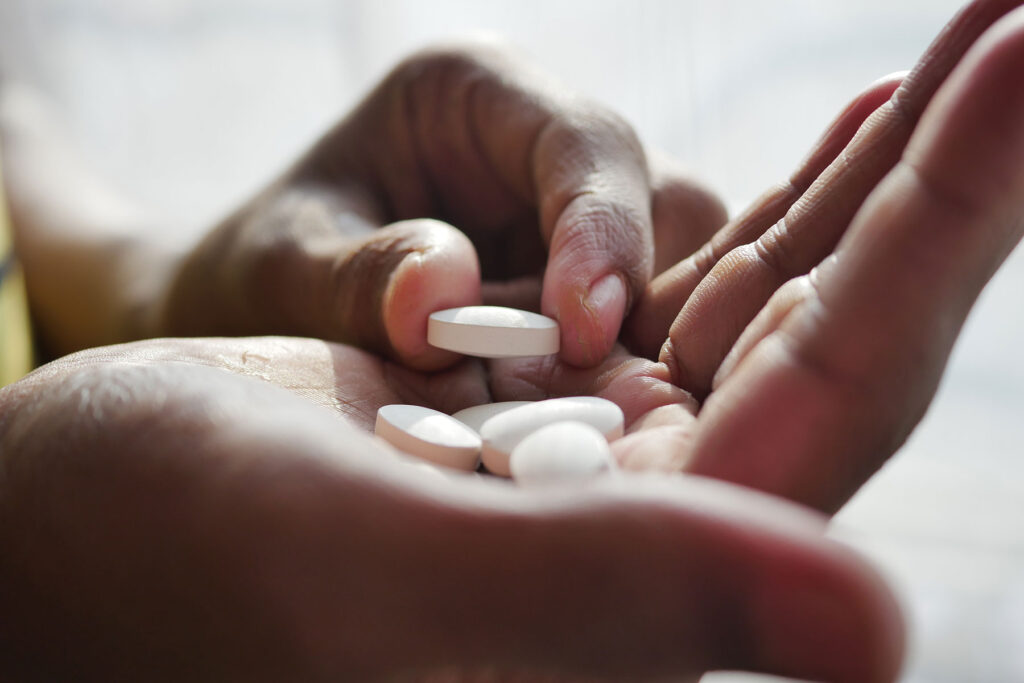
x=885, y=86
x=828, y=617
x=443, y=273
x=589, y=318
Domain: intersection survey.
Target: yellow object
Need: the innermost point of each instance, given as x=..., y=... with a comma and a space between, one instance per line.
x=15, y=336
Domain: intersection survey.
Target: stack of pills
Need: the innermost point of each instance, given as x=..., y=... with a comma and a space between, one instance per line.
x=534, y=442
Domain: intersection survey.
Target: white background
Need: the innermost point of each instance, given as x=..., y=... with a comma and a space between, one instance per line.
x=190, y=105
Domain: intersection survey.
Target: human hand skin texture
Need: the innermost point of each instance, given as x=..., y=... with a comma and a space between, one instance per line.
x=815, y=327
x=215, y=509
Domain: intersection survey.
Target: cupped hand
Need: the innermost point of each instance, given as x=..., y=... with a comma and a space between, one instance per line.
x=821, y=320
x=215, y=510
x=464, y=177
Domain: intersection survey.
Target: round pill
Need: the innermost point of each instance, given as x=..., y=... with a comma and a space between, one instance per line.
x=560, y=452
x=475, y=417
x=493, y=332
x=503, y=432
x=429, y=434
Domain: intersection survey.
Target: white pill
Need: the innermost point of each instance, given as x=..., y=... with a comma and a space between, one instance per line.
x=475, y=417
x=560, y=452
x=503, y=432
x=493, y=332
x=429, y=434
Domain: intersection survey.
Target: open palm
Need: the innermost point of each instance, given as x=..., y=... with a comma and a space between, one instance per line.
x=215, y=509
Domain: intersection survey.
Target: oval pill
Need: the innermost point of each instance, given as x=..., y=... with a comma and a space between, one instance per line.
x=560, y=452
x=493, y=332
x=503, y=432
x=429, y=434
x=475, y=417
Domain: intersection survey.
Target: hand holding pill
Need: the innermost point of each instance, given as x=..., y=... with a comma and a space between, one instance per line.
x=430, y=196
x=491, y=433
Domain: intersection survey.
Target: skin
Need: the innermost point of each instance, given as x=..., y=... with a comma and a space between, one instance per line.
x=823, y=338
x=464, y=177
x=262, y=534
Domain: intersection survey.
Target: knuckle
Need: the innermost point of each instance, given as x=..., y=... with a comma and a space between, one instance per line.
x=458, y=59
x=775, y=249
x=614, y=125
x=588, y=124
x=900, y=110
x=278, y=244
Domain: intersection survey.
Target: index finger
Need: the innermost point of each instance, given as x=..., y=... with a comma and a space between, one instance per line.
x=585, y=172
x=595, y=212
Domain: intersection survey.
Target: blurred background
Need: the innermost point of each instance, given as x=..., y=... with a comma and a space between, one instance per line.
x=191, y=105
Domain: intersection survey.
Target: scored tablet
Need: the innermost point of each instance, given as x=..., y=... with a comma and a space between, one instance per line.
x=493, y=332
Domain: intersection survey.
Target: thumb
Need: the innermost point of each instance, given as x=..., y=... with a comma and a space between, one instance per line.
x=650, y=578
x=383, y=288
x=295, y=266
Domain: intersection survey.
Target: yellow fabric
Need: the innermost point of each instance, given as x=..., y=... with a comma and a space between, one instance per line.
x=15, y=338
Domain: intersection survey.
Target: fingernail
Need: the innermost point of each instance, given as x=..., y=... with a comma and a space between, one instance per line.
x=606, y=303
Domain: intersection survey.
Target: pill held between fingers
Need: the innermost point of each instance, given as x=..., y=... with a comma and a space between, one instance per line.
x=560, y=452
x=429, y=434
x=493, y=332
x=475, y=417
x=502, y=433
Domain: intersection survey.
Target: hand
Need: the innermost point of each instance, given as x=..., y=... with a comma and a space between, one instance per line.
x=815, y=382
x=505, y=164
x=168, y=513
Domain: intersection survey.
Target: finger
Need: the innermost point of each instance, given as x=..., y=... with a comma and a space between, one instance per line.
x=788, y=297
x=443, y=273
x=651, y=578
x=288, y=267
x=642, y=388
x=652, y=320
x=744, y=279
x=478, y=137
x=720, y=301
x=595, y=213
x=818, y=405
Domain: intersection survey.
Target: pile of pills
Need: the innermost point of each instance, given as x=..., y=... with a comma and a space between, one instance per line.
x=533, y=442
